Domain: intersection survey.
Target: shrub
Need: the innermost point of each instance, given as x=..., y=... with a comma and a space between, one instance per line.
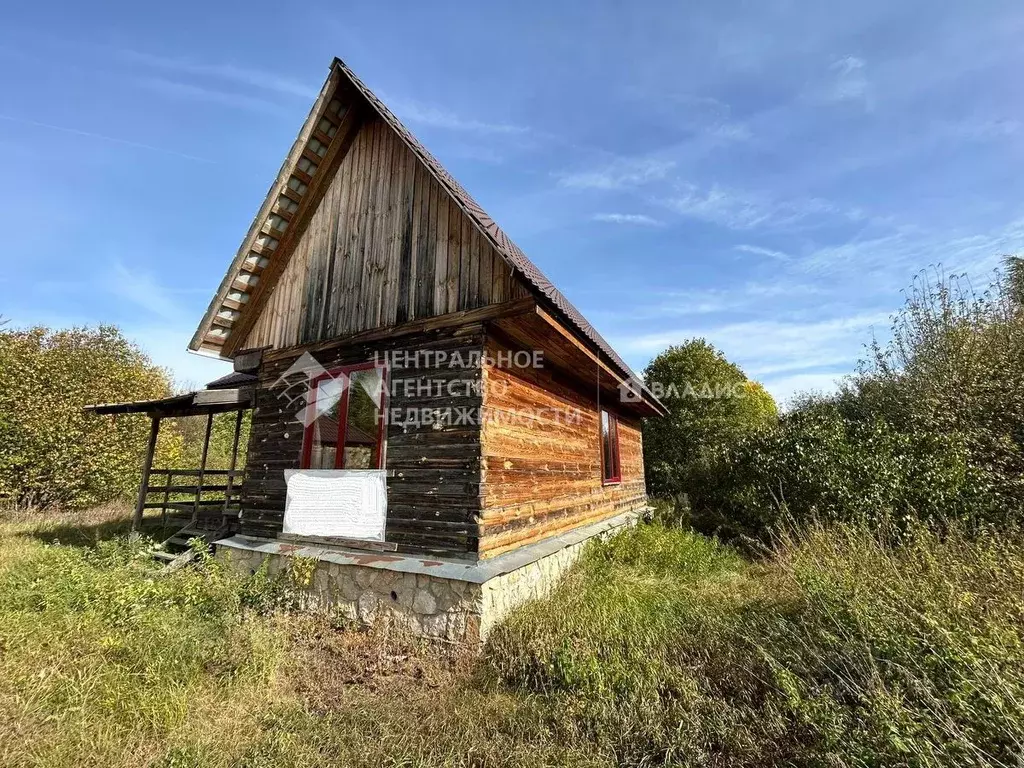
x=711, y=403
x=51, y=452
x=931, y=428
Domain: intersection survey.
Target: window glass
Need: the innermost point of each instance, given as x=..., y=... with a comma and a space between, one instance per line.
x=363, y=419
x=347, y=430
x=324, y=430
x=610, y=472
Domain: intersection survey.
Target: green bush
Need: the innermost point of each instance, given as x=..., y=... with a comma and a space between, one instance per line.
x=931, y=428
x=711, y=403
x=51, y=452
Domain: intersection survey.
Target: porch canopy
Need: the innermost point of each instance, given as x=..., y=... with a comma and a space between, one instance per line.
x=231, y=393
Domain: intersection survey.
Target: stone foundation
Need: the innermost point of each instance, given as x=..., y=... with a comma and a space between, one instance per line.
x=457, y=601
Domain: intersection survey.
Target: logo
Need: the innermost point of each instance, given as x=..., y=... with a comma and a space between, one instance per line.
x=295, y=383
x=630, y=391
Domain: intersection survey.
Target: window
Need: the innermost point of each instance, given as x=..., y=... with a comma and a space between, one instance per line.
x=347, y=431
x=611, y=472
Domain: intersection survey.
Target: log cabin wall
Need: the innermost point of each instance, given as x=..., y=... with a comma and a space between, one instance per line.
x=541, y=471
x=434, y=493
x=386, y=245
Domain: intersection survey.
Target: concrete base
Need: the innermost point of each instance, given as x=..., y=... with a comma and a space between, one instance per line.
x=454, y=600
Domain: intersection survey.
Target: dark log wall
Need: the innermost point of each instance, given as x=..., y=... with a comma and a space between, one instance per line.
x=434, y=495
x=385, y=246
x=542, y=465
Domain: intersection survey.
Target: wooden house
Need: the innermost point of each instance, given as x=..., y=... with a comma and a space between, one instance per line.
x=507, y=427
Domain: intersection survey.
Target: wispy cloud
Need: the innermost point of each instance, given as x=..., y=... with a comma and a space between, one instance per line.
x=215, y=96
x=734, y=300
x=736, y=209
x=243, y=75
x=850, y=82
x=627, y=218
x=894, y=255
x=102, y=137
x=620, y=174
x=764, y=347
x=757, y=250
x=785, y=388
x=144, y=291
x=438, y=117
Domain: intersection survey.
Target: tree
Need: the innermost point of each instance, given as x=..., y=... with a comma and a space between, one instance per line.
x=711, y=404
x=51, y=452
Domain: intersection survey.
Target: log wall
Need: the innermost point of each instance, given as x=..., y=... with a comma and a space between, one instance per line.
x=541, y=456
x=434, y=493
x=386, y=245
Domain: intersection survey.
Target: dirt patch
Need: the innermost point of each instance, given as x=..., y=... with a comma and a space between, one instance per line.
x=329, y=664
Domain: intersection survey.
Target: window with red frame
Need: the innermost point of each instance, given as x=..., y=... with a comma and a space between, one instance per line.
x=347, y=431
x=611, y=471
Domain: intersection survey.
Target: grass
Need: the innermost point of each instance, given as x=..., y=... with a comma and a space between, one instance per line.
x=662, y=647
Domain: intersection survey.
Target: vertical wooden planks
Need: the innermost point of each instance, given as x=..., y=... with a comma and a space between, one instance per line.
x=386, y=245
x=476, y=246
x=440, y=302
x=407, y=222
x=425, y=268
x=454, y=256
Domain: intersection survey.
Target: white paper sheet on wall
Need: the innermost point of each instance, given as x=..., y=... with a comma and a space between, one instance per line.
x=346, y=503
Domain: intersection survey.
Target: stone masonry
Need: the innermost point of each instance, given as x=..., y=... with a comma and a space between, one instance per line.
x=463, y=605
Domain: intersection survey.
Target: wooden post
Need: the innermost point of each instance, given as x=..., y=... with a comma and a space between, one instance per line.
x=202, y=468
x=234, y=463
x=140, y=505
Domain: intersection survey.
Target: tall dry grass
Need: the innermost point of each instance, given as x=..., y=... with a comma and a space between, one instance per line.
x=839, y=648
x=661, y=648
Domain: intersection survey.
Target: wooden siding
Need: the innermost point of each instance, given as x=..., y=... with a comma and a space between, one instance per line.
x=434, y=493
x=541, y=456
x=386, y=245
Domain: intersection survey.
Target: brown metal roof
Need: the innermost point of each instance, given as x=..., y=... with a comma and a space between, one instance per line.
x=512, y=253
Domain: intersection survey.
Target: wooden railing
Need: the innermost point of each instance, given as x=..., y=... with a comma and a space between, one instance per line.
x=210, y=500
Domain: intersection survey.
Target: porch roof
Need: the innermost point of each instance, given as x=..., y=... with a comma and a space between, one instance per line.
x=199, y=403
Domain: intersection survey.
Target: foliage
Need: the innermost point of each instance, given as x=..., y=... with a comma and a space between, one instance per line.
x=931, y=428
x=711, y=403
x=51, y=452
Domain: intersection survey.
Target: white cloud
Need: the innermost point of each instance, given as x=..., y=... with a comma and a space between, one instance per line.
x=742, y=210
x=142, y=290
x=620, y=174
x=785, y=388
x=626, y=218
x=850, y=82
x=437, y=117
x=719, y=206
x=212, y=95
x=757, y=250
x=257, y=78
x=93, y=135
x=787, y=355
x=889, y=260
x=766, y=339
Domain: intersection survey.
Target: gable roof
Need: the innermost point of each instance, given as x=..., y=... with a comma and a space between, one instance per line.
x=543, y=289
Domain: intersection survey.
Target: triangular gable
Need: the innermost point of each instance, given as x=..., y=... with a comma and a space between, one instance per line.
x=343, y=130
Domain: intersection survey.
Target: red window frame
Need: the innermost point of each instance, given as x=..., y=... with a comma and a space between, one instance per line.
x=339, y=454
x=614, y=476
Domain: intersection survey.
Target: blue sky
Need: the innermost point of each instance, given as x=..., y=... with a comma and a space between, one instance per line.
x=768, y=175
